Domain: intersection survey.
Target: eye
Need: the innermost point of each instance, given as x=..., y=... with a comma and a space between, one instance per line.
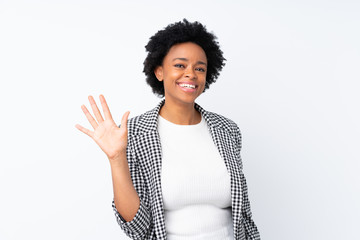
x=201, y=69
x=178, y=65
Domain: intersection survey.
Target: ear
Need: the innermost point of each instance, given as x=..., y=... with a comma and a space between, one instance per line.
x=159, y=73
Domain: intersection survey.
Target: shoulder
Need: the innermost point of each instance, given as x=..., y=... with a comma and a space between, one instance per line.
x=216, y=120
x=219, y=121
x=145, y=122
x=133, y=123
x=223, y=122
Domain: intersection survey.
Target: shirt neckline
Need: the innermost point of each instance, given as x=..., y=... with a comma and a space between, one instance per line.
x=162, y=119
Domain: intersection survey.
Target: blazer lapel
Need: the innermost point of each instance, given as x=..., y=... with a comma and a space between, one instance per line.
x=149, y=154
x=226, y=145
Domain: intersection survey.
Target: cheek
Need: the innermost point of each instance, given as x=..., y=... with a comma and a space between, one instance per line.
x=171, y=77
x=174, y=74
x=203, y=80
x=203, y=87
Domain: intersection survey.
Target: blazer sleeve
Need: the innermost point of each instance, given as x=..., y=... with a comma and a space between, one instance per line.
x=138, y=227
x=251, y=231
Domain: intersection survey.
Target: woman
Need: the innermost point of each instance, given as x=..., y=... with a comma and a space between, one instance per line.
x=176, y=169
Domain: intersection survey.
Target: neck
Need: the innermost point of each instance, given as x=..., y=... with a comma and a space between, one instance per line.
x=182, y=114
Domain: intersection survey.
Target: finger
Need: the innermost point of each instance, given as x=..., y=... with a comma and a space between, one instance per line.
x=95, y=109
x=85, y=130
x=89, y=117
x=105, y=107
x=125, y=119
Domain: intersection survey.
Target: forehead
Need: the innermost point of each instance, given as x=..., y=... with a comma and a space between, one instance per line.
x=187, y=50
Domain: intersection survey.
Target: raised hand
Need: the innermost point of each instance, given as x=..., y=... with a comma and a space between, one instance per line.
x=110, y=138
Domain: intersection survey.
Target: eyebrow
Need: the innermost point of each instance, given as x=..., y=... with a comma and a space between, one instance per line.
x=185, y=59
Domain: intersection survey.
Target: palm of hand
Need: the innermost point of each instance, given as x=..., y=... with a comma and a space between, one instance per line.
x=110, y=138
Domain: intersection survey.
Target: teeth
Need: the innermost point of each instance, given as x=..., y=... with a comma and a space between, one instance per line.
x=187, y=85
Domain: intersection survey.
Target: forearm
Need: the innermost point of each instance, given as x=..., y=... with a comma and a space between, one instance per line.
x=126, y=199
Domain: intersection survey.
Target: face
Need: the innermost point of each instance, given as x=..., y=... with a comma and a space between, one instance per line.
x=183, y=72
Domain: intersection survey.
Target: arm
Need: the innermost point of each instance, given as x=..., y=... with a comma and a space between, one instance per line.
x=139, y=226
x=135, y=225
x=251, y=231
x=113, y=141
x=125, y=196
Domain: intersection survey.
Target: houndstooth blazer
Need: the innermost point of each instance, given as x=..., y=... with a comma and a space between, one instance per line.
x=144, y=159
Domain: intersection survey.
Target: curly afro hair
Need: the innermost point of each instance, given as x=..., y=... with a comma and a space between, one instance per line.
x=180, y=32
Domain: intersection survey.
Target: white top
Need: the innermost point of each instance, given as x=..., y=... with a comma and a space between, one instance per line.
x=195, y=183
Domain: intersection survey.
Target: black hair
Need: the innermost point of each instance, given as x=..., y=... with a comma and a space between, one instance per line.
x=180, y=32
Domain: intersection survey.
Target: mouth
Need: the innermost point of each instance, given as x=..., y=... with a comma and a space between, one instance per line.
x=187, y=87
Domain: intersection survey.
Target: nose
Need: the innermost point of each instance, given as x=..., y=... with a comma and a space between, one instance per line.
x=190, y=73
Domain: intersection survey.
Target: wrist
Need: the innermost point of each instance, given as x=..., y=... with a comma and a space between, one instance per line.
x=118, y=160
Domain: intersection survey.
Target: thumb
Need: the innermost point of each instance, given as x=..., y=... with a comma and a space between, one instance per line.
x=125, y=119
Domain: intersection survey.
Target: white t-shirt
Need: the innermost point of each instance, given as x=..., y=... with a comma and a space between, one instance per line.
x=195, y=183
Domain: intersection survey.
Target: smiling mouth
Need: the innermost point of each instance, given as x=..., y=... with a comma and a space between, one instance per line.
x=186, y=85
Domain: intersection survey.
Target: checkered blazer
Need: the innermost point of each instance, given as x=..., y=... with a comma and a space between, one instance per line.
x=144, y=159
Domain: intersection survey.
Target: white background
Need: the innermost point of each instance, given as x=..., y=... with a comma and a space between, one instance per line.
x=291, y=83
